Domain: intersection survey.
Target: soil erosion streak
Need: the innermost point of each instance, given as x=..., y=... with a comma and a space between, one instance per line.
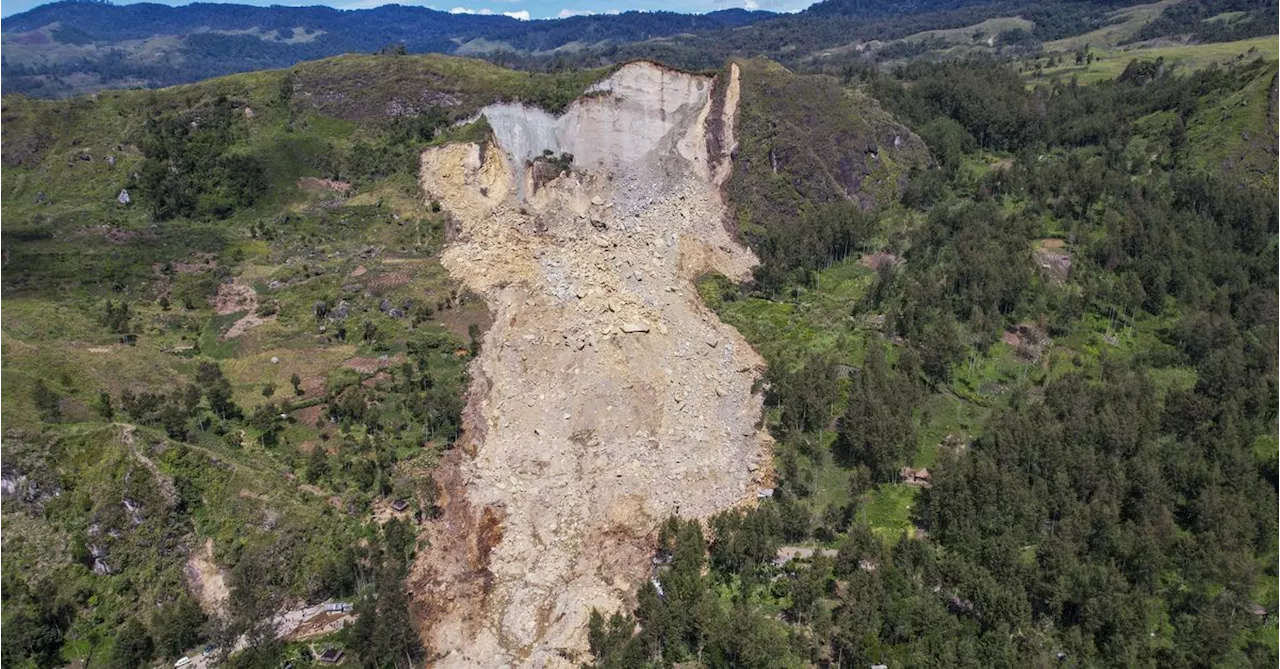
x=605, y=396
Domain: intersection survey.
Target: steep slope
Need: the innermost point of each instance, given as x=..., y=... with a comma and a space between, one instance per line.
x=606, y=397
x=1238, y=137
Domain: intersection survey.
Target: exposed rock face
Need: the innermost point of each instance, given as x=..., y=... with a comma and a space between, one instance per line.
x=606, y=396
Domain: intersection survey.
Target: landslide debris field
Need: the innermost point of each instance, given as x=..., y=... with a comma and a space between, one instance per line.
x=329, y=293
x=605, y=396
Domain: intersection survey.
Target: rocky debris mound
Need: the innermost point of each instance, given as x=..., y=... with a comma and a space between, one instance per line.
x=606, y=396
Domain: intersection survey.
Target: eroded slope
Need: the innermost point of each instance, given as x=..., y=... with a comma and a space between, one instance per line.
x=606, y=397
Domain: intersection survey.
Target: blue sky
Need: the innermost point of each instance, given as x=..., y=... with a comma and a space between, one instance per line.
x=521, y=9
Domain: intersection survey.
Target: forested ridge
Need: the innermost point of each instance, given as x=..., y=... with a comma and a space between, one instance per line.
x=1105, y=506
x=47, y=45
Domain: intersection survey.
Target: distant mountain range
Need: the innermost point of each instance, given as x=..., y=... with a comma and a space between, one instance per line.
x=77, y=46
x=418, y=28
x=67, y=47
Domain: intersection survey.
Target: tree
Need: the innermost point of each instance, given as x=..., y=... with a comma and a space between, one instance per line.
x=177, y=626
x=217, y=389
x=877, y=429
x=317, y=464
x=296, y=381
x=948, y=141
x=133, y=648
x=392, y=49
x=116, y=316
x=105, y=409
x=804, y=394
x=46, y=402
x=613, y=642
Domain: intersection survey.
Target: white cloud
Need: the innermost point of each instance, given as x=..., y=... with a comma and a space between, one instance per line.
x=566, y=13
x=750, y=5
x=522, y=15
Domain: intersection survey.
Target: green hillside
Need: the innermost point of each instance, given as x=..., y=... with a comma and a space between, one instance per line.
x=1063, y=321
x=1237, y=136
x=259, y=348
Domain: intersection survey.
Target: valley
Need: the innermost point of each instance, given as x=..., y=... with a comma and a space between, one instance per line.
x=874, y=335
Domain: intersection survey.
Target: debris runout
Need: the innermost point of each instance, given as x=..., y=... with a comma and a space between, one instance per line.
x=606, y=396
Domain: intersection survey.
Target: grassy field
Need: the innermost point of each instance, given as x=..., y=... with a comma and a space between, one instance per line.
x=978, y=36
x=1125, y=24
x=978, y=33
x=1110, y=63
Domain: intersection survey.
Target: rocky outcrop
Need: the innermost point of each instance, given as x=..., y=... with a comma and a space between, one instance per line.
x=606, y=396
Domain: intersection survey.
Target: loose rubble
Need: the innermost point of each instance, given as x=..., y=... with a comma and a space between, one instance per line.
x=605, y=396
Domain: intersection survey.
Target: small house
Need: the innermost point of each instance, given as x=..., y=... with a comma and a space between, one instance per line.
x=331, y=655
x=916, y=477
x=399, y=505
x=767, y=492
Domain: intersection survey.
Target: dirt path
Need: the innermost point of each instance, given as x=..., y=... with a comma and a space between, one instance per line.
x=165, y=484
x=606, y=396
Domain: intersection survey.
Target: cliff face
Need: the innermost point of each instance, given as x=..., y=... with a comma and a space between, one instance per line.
x=605, y=397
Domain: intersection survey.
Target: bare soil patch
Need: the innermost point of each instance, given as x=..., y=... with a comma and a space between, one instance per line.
x=119, y=235
x=206, y=580
x=316, y=184
x=310, y=415
x=371, y=365
x=879, y=259
x=385, y=282
x=233, y=297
